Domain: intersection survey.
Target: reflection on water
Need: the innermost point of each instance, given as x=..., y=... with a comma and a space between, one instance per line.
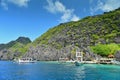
x=56, y=71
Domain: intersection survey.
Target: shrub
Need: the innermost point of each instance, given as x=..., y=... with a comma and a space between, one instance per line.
x=105, y=49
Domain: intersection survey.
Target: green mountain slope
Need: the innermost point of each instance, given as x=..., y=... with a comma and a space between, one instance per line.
x=20, y=40
x=84, y=35
x=94, y=34
x=14, y=48
x=88, y=31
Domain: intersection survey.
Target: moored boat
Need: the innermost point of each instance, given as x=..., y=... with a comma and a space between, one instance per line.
x=78, y=63
x=26, y=60
x=106, y=61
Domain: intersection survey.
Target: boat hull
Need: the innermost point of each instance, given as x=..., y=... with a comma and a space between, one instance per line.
x=78, y=63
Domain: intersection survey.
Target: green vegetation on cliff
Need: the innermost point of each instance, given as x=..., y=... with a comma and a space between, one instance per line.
x=105, y=49
x=90, y=31
x=101, y=33
x=18, y=45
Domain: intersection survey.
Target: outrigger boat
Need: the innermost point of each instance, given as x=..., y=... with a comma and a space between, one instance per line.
x=26, y=60
x=77, y=63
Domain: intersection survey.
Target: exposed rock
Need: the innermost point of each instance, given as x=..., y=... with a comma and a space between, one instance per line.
x=117, y=55
x=117, y=39
x=64, y=39
x=6, y=55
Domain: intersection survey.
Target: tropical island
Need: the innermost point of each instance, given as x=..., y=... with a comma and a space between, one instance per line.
x=96, y=36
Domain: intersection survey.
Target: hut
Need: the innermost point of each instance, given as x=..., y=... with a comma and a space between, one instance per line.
x=110, y=56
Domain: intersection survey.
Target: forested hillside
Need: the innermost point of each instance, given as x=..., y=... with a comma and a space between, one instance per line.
x=94, y=35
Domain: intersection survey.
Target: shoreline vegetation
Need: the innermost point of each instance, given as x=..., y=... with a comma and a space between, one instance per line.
x=96, y=36
x=106, y=49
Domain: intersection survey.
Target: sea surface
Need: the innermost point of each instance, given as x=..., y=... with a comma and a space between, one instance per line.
x=57, y=71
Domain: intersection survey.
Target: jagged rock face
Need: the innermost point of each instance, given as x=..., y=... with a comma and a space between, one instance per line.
x=90, y=31
x=6, y=55
x=61, y=40
x=47, y=53
x=117, y=55
x=117, y=39
x=44, y=53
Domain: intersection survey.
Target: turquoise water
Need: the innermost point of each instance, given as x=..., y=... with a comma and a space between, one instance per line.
x=56, y=71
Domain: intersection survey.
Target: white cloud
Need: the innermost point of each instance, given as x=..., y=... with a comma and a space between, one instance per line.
x=55, y=7
x=4, y=5
x=20, y=3
x=75, y=18
x=66, y=15
x=106, y=6
x=111, y=5
x=58, y=7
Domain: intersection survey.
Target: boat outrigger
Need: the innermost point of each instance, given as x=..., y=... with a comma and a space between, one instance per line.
x=26, y=60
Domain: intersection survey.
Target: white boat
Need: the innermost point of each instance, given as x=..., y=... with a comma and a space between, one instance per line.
x=26, y=60
x=70, y=61
x=115, y=62
x=90, y=62
x=107, y=61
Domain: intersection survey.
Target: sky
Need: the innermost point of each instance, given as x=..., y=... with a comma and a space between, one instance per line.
x=32, y=18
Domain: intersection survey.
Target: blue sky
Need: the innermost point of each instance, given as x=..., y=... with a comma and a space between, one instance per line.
x=32, y=18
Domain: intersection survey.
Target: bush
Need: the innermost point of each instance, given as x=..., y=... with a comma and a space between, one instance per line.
x=105, y=49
